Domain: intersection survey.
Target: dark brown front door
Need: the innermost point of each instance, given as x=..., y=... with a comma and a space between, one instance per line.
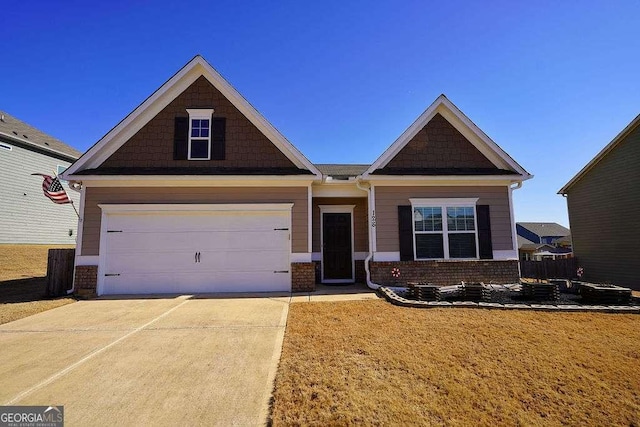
x=336, y=239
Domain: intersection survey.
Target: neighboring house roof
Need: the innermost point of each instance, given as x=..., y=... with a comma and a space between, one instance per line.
x=525, y=244
x=565, y=240
x=465, y=126
x=524, y=241
x=553, y=251
x=610, y=146
x=173, y=87
x=16, y=130
x=342, y=171
x=545, y=228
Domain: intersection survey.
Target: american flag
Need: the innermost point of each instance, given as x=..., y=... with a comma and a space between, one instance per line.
x=53, y=189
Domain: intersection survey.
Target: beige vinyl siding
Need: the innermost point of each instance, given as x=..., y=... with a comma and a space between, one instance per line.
x=26, y=215
x=389, y=198
x=604, y=214
x=360, y=233
x=123, y=195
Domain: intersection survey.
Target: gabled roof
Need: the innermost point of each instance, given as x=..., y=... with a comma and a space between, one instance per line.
x=526, y=244
x=564, y=240
x=173, y=87
x=610, y=146
x=16, y=130
x=465, y=126
x=545, y=228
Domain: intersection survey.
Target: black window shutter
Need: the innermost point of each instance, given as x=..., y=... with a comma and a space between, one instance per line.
x=484, y=232
x=405, y=231
x=181, y=138
x=218, y=128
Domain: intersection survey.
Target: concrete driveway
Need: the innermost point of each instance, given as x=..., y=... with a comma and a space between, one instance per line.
x=165, y=361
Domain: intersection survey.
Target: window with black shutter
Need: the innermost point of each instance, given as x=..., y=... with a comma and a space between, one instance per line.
x=180, y=138
x=445, y=229
x=218, y=129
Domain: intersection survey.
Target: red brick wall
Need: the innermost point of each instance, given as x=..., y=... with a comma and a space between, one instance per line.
x=445, y=273
x=303, y=277
x=361, y=274
x=86, y=280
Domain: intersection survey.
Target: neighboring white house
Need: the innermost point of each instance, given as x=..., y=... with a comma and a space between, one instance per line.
x=26, y=215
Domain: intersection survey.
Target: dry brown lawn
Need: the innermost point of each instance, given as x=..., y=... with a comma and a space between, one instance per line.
x=371, y=363
x=23, y=270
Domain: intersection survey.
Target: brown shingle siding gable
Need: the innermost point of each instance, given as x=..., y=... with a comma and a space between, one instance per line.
x=439, y=145
x=152, y=146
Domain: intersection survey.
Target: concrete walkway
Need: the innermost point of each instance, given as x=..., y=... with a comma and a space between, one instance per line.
x=164, y=361
x=335, y=293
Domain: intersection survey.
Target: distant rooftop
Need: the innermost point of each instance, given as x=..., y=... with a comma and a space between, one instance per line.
x=343, y=171
x=526, y=244
x=15, y=129
x=545, y=228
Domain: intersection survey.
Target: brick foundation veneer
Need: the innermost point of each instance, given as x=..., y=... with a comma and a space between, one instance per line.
x=303, y=277
x=445, y=273
x=85, y=281
x=361, y=274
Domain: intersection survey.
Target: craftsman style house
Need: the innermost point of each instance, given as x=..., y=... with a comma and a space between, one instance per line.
x=195, y=191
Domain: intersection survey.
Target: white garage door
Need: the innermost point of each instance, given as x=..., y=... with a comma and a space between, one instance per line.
x=212, y=248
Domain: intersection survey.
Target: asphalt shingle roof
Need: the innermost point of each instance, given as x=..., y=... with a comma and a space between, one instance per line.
x=545, y=228
x=342, y=171
x=13, y=128
x=526, y=244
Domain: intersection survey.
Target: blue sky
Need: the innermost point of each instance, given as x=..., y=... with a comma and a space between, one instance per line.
x=551, y=82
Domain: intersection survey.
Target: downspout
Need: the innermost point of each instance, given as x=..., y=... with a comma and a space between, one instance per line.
x=514, y=235
x=370, y=284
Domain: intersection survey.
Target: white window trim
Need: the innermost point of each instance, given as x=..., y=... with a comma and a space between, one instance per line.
x=443, y=204
x=199, y=114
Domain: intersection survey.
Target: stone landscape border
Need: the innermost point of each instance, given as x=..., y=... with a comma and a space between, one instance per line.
x=396, y=299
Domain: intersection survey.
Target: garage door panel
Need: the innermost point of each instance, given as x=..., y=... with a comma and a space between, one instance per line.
x=186, y=262
x=214, y=221
x=131, y=242
x=152, y=283
x=156, y=253
x=168, y=241
x=248, y=240
x=140, y=262
x=248, y=260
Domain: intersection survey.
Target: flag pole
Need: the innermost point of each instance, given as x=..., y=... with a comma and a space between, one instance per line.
x=73, y=205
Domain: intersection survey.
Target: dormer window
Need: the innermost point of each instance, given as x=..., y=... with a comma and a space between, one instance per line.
x=200, y=134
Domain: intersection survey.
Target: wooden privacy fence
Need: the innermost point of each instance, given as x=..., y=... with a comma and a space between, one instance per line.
x=60, y=271
x=550, y=269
